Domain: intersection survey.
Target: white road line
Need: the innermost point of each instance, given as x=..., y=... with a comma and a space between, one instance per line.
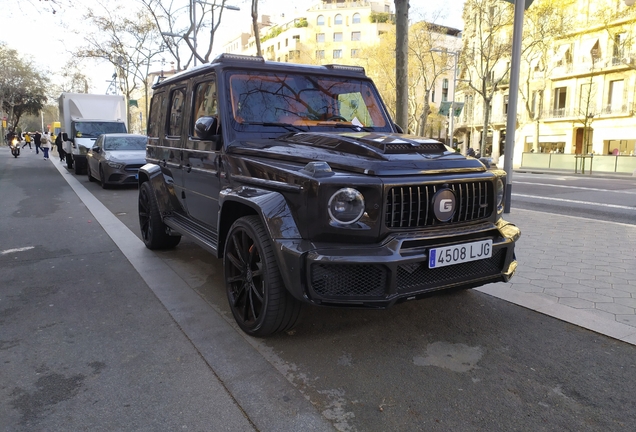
x=8, y=251
x=574, y=201
x=577, y=187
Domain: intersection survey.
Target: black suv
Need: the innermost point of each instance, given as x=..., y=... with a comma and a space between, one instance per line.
x=296, y=176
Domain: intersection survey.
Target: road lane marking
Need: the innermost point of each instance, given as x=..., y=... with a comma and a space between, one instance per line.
x=22, y=249
x=574, y=201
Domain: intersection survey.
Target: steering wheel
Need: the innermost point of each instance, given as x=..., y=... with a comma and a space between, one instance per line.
x=337, y=117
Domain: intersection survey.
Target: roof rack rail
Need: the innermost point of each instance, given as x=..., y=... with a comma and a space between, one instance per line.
x=359, y=69
x=227, y=56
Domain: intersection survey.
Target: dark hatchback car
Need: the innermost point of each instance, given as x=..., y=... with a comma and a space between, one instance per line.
x=115, y=159
x=298, y=178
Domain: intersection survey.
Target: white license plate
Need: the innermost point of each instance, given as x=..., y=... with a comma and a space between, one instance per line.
x=460, y=253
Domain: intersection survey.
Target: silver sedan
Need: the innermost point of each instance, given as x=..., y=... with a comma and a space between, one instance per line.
x=116, y=158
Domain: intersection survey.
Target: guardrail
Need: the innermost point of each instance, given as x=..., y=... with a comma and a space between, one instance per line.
x=621, y=164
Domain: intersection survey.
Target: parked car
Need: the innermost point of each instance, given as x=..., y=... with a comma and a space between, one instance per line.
x=298, y=178
x=116, y=158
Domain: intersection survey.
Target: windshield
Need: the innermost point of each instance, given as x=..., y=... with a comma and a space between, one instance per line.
x=276, y=99
x=125, y=143
x=93, y=129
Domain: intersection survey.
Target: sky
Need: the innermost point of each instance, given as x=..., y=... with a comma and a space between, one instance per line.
x=49, y=46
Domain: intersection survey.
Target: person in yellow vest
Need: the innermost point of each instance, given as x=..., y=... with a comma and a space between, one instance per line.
x=27, y=140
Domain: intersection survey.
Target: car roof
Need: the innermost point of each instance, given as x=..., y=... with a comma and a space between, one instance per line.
x=257, y=63
x=113, y=135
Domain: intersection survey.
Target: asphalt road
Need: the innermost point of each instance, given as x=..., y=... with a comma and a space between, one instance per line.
x=459, y=361
x=612, y=199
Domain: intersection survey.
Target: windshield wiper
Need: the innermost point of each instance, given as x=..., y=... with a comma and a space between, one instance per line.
x=288, y=126
x=348, y=126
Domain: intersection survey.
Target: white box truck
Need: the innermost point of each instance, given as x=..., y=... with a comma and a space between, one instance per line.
x=84, y=117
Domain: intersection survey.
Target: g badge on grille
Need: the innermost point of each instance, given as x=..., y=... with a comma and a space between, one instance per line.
x=444, y=205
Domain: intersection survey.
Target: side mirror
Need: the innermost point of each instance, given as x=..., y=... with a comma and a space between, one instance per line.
x=205, y=128
x=96, y=149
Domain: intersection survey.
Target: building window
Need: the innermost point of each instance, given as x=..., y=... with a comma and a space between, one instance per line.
x=433, y=95
x=505, y=106
x=296, y=38
x=320, y=54
x=445, y=90
x=338, y=19
x=615, y=97
x=337, y=37
x=278, y=45
x=337, y=53
x=356, y=18
x=356, y=36
x=321, y=20
x=320, y=37
x=560, y=96
x=294, y=54
x=355, y=53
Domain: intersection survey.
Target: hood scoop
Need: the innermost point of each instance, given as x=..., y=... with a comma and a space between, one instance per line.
x=378, y=143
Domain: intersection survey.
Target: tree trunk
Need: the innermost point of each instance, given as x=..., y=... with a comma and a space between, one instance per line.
x=424, y=116
x=257, y=37
x=401, y=63
x=484, y=132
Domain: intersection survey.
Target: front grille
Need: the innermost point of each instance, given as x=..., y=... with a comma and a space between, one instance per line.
x=350, y=280
x=133, y=167
x=411, y=206
x=410, y=278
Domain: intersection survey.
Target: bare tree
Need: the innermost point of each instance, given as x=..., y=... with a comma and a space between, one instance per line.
x=201, y=16
x=485, y=60
x=129, y=44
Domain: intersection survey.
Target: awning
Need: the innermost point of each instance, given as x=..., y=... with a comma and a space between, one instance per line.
x=560, y=54
x=587, y=46
x=534, y=63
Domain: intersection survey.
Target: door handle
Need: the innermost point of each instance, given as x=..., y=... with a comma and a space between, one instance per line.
x=164, y=163
x=188, y=168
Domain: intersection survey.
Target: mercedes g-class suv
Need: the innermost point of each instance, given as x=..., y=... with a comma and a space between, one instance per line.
x=297, y=177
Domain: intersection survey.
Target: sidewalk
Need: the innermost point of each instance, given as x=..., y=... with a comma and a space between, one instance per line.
x=578, y=270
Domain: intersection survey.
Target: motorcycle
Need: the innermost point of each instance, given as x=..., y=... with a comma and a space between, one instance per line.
x=15, y=147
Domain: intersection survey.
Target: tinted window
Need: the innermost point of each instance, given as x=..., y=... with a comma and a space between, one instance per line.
x=204, y=102
x=155, y=113
x=177, y=103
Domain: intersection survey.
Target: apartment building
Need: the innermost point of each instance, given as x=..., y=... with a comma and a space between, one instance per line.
x=580, y=91
x=330, y=31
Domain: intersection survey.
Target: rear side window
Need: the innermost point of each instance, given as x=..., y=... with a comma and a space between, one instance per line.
x=177, y=104
x=154, y=123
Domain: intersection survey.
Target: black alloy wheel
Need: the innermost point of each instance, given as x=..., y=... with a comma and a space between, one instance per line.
x=153, y=230
x=259, y=301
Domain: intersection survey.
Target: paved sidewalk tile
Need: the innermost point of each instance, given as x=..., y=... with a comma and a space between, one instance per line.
x=579, y=270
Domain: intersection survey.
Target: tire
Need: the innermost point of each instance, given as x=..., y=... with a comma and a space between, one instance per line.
x=88, y=173
x=102, y=178
x=153, y=230
x=259, y=301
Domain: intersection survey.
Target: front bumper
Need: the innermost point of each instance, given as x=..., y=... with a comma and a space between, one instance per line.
x=380, y=275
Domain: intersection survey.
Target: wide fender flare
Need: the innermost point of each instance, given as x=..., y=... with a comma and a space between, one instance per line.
x=271, y=206
x=162, y=187
x=277, y=219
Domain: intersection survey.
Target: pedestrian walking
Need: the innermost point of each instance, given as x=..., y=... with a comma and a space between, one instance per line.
x=45, y=144
x=58, y=143
x=27, y=140
x=37, y=139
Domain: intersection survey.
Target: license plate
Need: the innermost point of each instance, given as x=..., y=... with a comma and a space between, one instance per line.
x=460, y=253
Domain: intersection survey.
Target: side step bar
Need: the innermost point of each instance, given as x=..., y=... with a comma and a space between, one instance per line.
x=204, y=237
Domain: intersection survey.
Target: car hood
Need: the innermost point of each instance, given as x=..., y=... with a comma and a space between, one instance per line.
x=126, y=155
x=363, y=152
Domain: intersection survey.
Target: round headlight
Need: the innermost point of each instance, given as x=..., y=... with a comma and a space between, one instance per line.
x=346, y=206
x=500, y=193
